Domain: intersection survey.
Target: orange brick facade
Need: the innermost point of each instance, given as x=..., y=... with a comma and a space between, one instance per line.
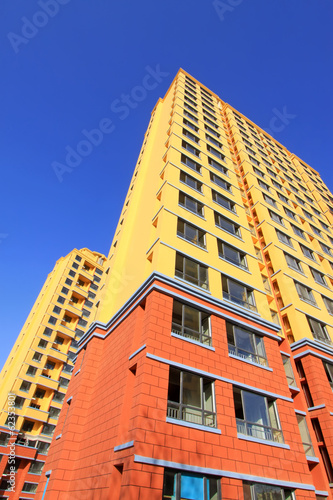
x=114, y=439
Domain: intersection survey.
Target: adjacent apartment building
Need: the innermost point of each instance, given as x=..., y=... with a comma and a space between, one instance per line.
x=36, y=375
x=207, y=372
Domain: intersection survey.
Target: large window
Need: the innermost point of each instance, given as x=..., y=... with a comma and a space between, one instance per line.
x=259, y=491
x=191, y=233
x=217, y=165
x=289, y=371
x=191, y=204
x=329, y=372
x=246, y=345
x=256, y=416
x=305, y=435
x=227, y=224
x=238, y=293
x=190, y=181
x=190, y=163
x=191, y=323
x=223, y=201
x=190, y=148
x=318, y=277
x=293, y=263
x=191, y=271
x=307, y=252
x=305, y=293
x=220, y=182
x=329, y=304
x=231, y=254
x=283, y=238
x=191, y=398
x=188, y=486
x=319, y=330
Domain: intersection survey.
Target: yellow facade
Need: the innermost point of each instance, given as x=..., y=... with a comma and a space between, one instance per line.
x=178, y=199
x=40, y=364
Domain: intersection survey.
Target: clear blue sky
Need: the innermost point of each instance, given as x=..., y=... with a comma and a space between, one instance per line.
x=63, y=76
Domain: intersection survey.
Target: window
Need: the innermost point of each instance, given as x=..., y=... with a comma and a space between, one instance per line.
x=190, y=163
x=190, y=108
x=270, y=172
x=190, y=125
x=256, y=416
x=220, y=182
x=31, y=370
x=246, y=345
x=319, y=330
x=293, y=263
x=47, y=331
x=325, y=248
x=52, y=320
x=289, y=371
x=75, y=265
x=39, y=393
x=212, y=131
x=193, y=103
x=42, y=343
x=329, y=372
x=19, y=402
x=307, y=252
x=191, y=271
x=191, y=204
x=315, y=230
x=191, y=136
x=71, y=273
x=227, y=225
x=37, y=356
x=36, y=467
x=29, y=488
x=191, y=398
x=269, y=200
x=186, y=113
x=61, y=299
x=276, y=217
x=211, y=123
x=215, y=152
x=283, y=198
x=78, y=258
x=263, y=185
x=25, y=386
x=305, y=435
x=64, y=290
x=191, y=233
x=254, y=161
x=307, y=214
x=289, y=213
x=259, y=172
x=232, y=254
x=68, y=282
x=318, y=277
x=305, y=293
x=223, y=201
x=238, y=293
x=183, y=485
x=190, y=181
x=191, y=323
x=283, y=238
x=259, y=491
x=213, y=141
x=329, y=304
x=217, y=165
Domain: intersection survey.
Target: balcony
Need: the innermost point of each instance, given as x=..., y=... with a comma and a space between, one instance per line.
x=47, y=382
x=36, y=414
x=191, y=415
x=55, y=353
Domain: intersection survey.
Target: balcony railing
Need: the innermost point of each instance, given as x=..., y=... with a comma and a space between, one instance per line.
x=248, y=356
x=191, y=415
x=259, y=431
x=188, y=333
x=239, y=301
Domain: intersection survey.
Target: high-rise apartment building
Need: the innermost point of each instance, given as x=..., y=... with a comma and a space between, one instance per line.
x=35, y=377
x=208, y=372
